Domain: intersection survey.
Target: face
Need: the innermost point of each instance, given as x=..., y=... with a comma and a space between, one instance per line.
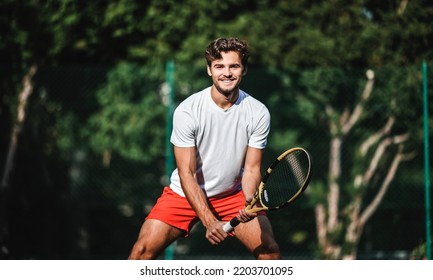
x=227, y=72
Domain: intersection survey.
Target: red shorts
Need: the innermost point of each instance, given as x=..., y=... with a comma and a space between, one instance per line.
x=176, y=211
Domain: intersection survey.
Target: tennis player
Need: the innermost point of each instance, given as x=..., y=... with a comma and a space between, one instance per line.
x=219, y=135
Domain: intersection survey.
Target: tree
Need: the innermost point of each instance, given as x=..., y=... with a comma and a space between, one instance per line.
x=130, y=121
x=378, y=155
x=359, y=34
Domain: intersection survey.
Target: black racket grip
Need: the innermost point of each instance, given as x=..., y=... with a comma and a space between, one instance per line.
x=229, y=226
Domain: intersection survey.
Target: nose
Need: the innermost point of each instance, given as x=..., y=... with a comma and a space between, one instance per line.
x=227, y=72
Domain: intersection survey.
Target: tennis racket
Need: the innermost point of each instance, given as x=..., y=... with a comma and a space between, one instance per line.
x=283, y=182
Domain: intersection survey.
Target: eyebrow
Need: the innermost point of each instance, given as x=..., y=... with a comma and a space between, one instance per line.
x=230, y=65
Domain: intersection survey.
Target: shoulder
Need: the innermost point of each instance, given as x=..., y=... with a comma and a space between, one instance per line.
x=195, y=99
x=251, y=102
x=189, y=110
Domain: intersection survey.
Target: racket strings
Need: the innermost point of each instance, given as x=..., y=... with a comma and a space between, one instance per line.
x=286, y=179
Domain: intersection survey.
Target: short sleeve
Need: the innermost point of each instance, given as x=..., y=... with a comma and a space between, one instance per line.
x=183, y=133
x=261, y=130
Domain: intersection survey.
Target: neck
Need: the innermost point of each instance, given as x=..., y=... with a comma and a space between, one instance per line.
x=224, y=100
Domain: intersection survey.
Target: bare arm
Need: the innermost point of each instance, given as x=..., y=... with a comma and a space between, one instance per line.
x=186, y=165
x=250, y=179
x=252, y=174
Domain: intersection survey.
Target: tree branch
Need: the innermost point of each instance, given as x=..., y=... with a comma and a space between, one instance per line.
x=334, y=187
x=402, y=7
x=379, y=153
x=357, y=112
x=16, y=130
x=398, y=158
x=374, y=138
x=320, y=224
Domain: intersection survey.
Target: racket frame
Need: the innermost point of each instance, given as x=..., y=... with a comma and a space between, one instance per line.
x=252, y=206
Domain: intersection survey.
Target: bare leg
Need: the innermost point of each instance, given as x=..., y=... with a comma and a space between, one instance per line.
x=258, y=237
x=153, y=238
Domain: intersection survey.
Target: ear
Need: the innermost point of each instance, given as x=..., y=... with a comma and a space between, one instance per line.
x=209, y=72
x=244, y=71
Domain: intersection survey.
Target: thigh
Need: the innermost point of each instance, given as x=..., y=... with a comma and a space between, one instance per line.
x=153, y=238
x=257, y=236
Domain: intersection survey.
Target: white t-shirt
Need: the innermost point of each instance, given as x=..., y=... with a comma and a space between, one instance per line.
x=221, y=137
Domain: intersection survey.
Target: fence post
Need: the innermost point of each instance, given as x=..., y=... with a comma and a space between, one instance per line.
x=169, y=157
x=426, y=162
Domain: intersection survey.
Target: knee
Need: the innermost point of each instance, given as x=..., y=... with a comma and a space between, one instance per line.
x=140, y=252
x=136, y=252
x=269, y=251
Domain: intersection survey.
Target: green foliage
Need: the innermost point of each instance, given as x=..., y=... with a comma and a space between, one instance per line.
x=419, y=253
x=131, y=119
x=305, y=56
x=331, y=33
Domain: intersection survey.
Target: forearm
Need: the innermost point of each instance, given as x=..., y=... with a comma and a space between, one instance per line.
x=197, y=199
x=186, y=166
x=250, y=183
x=251, y=175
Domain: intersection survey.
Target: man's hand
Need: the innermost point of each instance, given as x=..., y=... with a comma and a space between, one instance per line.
x=215, y=233
x=245, y=216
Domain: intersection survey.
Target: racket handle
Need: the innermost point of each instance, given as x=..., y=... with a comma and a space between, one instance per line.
x=229, y=226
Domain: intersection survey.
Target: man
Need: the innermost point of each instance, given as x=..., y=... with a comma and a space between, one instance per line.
x=218, y=135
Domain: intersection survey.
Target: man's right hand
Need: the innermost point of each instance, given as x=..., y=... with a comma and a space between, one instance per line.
x=215, y=233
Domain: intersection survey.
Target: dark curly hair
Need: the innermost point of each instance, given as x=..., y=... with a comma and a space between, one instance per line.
x=214, y=49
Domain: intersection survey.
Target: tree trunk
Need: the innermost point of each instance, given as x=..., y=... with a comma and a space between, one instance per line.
x=9, y=164
x=21, y=116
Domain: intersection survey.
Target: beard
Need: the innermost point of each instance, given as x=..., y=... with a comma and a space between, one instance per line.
x=227, y=91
